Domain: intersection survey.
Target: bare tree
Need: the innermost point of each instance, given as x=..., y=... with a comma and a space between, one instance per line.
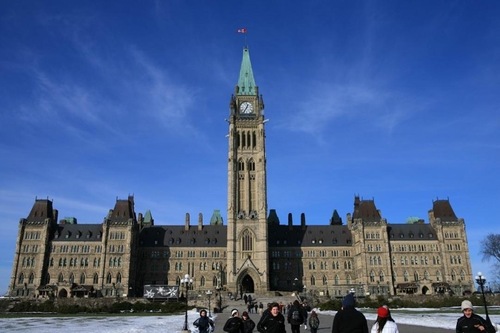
x=491, y=247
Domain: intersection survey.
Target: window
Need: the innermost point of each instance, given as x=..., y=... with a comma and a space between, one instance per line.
x=247, y=241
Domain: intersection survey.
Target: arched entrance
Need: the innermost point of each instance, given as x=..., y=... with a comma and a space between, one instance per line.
x=425, y=290
x=63, y=293
x=247, y=284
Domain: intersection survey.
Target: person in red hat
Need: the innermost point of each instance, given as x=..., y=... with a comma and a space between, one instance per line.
x=384, y=323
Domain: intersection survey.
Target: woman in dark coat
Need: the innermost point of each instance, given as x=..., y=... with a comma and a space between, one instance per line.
x=248, y=323
x=203, y=323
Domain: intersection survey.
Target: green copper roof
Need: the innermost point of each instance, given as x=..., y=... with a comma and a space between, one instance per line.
x=148, y=218
x=246, y=82
x=216, y=218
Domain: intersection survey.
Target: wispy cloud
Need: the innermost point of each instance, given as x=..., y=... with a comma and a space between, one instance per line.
x=356, y=103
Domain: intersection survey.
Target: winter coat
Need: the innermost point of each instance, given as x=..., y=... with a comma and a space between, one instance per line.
x=234, y=325
x=470, y=325
x=389, y=327
x=249, y=325
x=271, y=324
x=349, y=320
x=204, y=324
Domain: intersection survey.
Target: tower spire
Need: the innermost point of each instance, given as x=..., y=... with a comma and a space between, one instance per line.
x=246, y=82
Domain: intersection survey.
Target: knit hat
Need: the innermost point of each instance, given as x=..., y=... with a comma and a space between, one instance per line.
x=383, y=312
x=467, y=305
x=233, y=312
x=348, y=301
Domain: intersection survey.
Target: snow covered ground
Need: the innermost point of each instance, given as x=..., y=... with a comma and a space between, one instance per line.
x=445, y=318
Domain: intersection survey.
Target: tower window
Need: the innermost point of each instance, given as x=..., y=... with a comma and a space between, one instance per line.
x=247, y=241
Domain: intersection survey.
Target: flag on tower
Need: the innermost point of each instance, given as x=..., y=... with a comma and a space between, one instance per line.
x=242, y=30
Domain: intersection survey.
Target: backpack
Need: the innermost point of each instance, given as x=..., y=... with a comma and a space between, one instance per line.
x=297, y=317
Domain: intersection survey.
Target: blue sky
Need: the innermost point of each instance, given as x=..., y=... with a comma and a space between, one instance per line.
x=392, y=100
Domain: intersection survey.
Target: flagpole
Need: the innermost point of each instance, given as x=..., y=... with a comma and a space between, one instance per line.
x=244, y=32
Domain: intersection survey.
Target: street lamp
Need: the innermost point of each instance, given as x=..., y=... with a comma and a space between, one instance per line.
x=186, y=282
x=481, y=281
x=209, y=294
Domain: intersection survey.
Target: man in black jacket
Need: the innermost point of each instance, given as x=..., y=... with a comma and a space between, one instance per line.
x=348, y=319
x=471, y=322
x=296, y=316
x=272, y=321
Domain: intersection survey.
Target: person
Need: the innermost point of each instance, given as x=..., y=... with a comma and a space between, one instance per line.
x=204, y=324
x=234, y=324
x=296, y=316
x=245, y=298
x=348, y=319
x=471, y=322
x=313, y=322
x=272, y=321
x=248, y=323
x=384, y=322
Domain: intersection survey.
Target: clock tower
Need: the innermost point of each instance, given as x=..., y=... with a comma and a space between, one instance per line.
x=247, y=248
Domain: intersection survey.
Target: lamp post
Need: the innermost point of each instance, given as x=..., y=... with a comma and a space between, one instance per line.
x=209, y=294
x=186, y=282
x=481, y=281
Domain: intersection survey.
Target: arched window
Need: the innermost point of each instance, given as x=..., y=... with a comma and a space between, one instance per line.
x=372, y=276
x=118, y=278
x=82, y=278
x=96, y=279
x=202, y=281
x=71, y=278
x=108, y=278
x=60, y=278
x=20, y=280
x=336, y=280
x=325, y=280
x=313, y=281
x=247, y=241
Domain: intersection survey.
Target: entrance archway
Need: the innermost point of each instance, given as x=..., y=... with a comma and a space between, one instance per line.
x=247, y=284
x=425, y=290
x=63, y=293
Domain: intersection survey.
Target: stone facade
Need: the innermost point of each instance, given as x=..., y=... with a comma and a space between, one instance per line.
x=254, y=252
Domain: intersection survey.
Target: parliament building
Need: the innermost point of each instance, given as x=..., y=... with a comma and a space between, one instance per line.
x=254, y=251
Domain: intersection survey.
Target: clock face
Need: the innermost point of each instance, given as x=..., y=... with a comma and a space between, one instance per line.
x=246, y=108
